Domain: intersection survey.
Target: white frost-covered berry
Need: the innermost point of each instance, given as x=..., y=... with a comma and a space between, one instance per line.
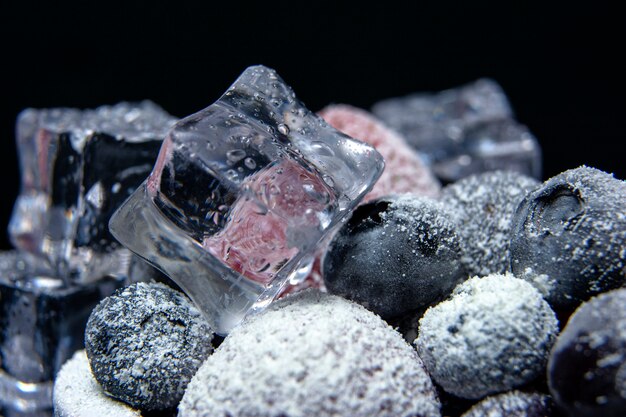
x=312, y=354
x=78, y=394
x=492, y=334
x=483, y=206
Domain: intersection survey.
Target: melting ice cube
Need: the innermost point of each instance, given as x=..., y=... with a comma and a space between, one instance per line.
x=242, y=193
x=77, y=168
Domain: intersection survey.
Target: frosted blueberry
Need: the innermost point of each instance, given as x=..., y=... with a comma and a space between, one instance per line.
x=483, y=206
x=493, y=334
x=568, y=237
x=312, y=354
x=394, y=255
x=144, y=343
x=587, y=366
x=512, y=404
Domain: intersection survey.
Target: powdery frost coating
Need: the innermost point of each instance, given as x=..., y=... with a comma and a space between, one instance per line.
x=405, y=171
x=493, y=334
x=483, y=206
x=144, y=344
x=512, y=404
x=312, y=354
x=134, y=122
x=78, y=394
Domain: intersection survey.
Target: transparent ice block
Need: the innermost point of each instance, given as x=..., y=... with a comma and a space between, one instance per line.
x=77, y=168
x=494, y=145
x=42, y=323
x=464, y=131
x=242, y=193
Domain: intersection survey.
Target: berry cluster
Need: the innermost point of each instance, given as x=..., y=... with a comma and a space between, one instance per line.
x=480, y=279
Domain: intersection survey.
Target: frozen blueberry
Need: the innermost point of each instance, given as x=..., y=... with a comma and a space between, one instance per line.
x=144, y=343
x=569, y=237
x=394, y=255
x=483, y=206
x=492, y=335
x=312, y=354
x=587, y=366
x=513, y=404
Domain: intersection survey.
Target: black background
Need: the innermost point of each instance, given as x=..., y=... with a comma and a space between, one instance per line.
x=561, y=65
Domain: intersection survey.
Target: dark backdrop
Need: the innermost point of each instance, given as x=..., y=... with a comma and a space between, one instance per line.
x=560, y=65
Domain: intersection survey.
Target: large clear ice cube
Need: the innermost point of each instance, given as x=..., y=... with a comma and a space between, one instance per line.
x=77, y=168
x=241, y=195
x=42, y=322
x=464, y=131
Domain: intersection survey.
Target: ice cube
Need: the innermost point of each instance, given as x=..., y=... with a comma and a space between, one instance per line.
x=446, y=128
x=241, y=195
x=42, y=322
x=77, y=168
x=494, y=145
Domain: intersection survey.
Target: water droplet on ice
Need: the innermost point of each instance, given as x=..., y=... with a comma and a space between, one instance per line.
x=231, y=174
x=283, y=128
x=235, y=155
x=322, y=148
x=96, y=195
x=250, y=163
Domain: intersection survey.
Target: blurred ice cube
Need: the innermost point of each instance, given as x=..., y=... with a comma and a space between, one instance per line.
x=464, y=131
x=77, y=168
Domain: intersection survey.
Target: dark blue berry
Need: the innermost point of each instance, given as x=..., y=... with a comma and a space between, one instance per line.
x=587, y=366
x=568, y=237
x=395, y=255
